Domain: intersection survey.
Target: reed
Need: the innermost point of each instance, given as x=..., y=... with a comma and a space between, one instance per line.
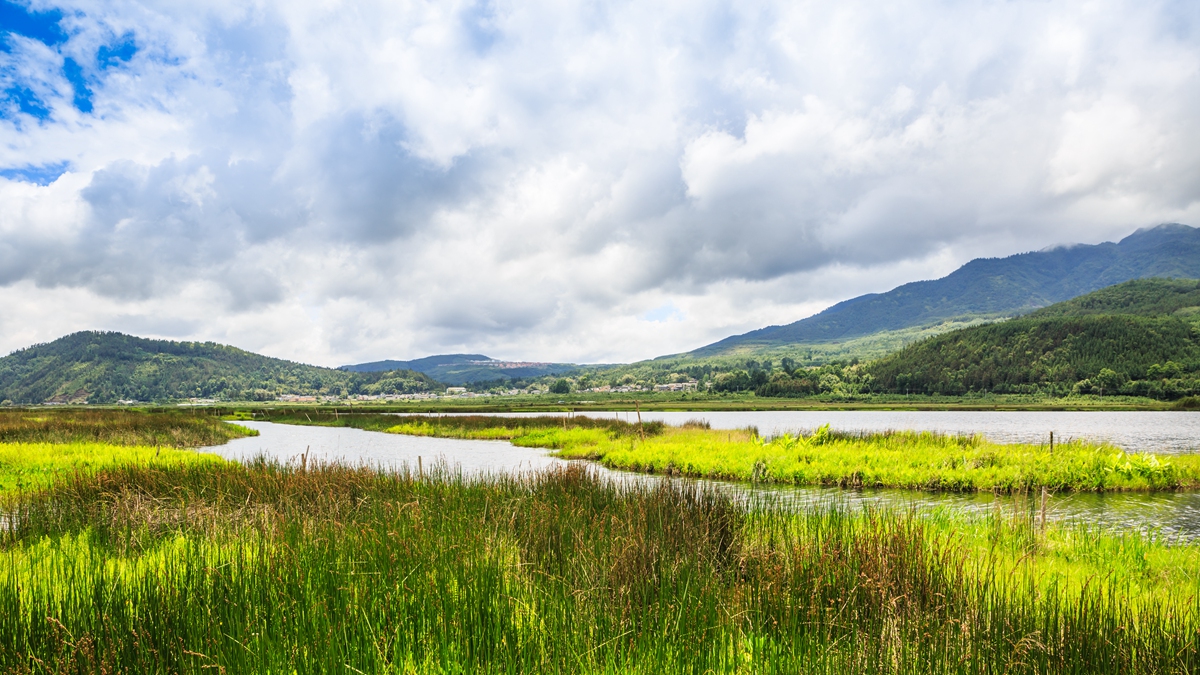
x=31, y=466
x=116, y=427
x=40, y=447
x=266, y=568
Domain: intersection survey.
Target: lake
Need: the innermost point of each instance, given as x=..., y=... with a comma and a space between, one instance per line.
x=1172, y=514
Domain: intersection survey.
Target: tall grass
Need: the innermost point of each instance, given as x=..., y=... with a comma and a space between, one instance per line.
x=269, y=568
x=30, y=466
x=116, y=427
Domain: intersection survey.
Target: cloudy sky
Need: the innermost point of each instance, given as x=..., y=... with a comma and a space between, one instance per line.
x=589, y=181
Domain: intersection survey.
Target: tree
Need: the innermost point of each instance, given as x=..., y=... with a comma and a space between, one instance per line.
x=560, y=387
x=1107, y=379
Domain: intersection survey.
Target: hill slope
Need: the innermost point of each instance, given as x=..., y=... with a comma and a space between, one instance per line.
x=106, y=367
x=988, y=288
x=1140, y=337
x=466, y=368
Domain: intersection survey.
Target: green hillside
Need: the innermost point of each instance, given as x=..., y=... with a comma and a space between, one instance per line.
x=1143, y=297
x=1137, y=338
x=986, y=288
x=99, y=367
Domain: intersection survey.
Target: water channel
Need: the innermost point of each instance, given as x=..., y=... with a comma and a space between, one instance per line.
x=1174, y=515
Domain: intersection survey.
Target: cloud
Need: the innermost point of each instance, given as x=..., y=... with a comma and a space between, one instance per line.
x=573, y=181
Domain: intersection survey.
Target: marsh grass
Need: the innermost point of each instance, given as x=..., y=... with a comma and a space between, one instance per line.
x=116, y=427
x=39, y=447
x=32, y=466
x=270, y=568
x=905, y=459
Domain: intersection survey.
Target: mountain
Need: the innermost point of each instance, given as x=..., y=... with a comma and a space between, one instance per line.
x=101, y=367
x=466, y=368
x=1141, y=337
x=987, y=288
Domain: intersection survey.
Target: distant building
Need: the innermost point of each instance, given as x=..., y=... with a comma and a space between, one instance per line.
x=690, y=385
x=453, y=391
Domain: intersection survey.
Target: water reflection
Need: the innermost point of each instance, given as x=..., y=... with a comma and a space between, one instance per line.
x=1175, y=515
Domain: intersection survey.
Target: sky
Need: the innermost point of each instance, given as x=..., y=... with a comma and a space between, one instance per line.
x=593, y=181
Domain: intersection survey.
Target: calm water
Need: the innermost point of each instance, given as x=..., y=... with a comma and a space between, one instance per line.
x=1173, y=514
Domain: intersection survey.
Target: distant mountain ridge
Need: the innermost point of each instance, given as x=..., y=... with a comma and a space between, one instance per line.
x=462, y=369
x=104, y=367
x=989, y=288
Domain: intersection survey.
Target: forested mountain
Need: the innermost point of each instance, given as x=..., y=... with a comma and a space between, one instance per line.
x=1140, y=338
x=988, y=288
x=466, y=368
x=100, y=367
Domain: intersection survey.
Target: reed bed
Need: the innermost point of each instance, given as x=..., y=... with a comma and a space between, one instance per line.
x=31, y=466
x=39, y=447
x=116, y=427
x=266, y=568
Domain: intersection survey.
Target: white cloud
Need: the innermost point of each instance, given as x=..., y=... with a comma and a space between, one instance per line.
x=336, y=182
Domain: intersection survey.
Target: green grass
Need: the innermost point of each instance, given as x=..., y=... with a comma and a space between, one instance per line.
x=39, y=447
x=273, y=569
x=30, y=466
x=910, y=460
x=116, y=427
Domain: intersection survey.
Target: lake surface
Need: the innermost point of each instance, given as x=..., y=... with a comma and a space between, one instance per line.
x=1175, y=515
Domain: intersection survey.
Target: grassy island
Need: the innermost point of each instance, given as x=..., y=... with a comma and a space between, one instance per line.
x=911, y=460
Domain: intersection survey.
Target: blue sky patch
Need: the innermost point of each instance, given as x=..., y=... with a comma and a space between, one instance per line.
x=74, y=74
x=119, y=53
x=26, y=101
x=42, y=175
x=41, y=26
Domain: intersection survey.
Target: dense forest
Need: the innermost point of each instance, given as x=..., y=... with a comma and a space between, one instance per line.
x=1138, y=338
x=101, y=367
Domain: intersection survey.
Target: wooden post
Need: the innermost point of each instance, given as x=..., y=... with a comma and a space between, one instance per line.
x=420, y=469
x=1051, y=441
x=641, y=427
